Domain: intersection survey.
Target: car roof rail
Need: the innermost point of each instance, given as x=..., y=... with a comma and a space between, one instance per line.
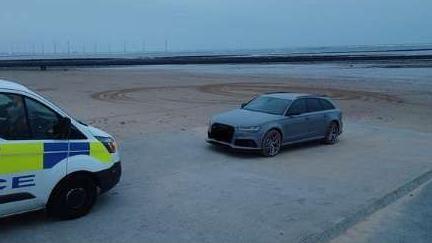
x=279, y=92
x=298, y=96
x=314, y=95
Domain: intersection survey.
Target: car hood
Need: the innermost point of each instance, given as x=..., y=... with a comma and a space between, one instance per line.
x=242, y=117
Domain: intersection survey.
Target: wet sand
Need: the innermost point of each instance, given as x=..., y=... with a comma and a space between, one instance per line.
x=136, y=100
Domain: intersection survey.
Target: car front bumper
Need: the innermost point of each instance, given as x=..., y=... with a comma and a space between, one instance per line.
x=230, y=136
x=230, y=145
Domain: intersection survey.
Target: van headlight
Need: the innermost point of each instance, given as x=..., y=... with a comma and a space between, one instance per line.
x=109, y=143
x=249, y=129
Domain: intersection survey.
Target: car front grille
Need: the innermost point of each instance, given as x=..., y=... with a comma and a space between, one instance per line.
x=221, y=132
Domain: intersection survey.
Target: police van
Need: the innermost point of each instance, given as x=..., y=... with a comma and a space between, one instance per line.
x=50, y=160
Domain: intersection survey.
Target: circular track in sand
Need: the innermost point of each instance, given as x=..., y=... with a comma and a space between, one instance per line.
x=235, y=92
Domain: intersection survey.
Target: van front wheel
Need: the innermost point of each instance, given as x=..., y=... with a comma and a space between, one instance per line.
x=73, y=198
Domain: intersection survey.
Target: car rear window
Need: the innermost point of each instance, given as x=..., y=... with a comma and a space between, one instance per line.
x=326, y=105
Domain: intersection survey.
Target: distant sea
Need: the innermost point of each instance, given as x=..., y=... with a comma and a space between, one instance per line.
x=423, y=49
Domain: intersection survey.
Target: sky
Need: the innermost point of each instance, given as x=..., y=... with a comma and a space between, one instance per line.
x=177, y=25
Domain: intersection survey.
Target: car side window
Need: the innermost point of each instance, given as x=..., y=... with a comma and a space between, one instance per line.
x=43, y=121
x=298, y=107
x=313, y=105
x=13, y=121
x=326, y=105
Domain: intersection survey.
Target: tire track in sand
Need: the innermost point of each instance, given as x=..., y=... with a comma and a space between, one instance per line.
x=234, y=92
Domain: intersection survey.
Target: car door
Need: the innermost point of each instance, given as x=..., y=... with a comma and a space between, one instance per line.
x=295, y=125
x=317, y=117
x=30, y=153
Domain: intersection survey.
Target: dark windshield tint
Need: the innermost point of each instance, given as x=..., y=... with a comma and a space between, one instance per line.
x=268, y=105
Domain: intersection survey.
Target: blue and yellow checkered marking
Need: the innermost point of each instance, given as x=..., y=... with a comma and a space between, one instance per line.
x=24, y=157
x=54, y=153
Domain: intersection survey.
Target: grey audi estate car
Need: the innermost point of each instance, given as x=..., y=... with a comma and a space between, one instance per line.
x=272, y=120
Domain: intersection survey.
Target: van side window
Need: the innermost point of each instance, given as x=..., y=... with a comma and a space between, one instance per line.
x=313, y=105
x=298, y=107
x=326, y=105
x=43, y=121
x=13, y=121
x=75, y=134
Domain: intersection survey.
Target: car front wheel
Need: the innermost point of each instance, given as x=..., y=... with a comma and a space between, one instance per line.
x=271, y=144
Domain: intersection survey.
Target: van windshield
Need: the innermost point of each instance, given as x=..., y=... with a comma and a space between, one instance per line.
x=269, y=105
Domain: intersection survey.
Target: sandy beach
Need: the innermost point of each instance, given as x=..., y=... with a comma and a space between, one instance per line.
x=129, y=101
x=177, y=188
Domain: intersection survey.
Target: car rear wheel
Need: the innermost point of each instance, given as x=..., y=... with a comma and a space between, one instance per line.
x=332, y=134
x=271, y=144
x=73, y=198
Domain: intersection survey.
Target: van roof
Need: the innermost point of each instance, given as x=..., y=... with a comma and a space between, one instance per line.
x=4, y=84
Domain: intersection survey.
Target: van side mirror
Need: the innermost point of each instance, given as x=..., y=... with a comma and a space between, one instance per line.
x=243, y=105
x=64, y=127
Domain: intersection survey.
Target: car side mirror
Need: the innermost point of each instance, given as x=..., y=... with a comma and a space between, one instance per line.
x=64, y=127
x=243, y=105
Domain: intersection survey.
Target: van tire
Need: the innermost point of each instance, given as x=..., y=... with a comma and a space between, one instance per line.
x=73, y=197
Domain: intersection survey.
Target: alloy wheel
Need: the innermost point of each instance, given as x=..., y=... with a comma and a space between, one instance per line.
x=272, y=143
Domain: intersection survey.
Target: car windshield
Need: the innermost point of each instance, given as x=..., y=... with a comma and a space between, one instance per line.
x=269, y=105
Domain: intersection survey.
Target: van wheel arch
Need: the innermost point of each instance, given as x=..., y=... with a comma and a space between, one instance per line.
x=67, y=177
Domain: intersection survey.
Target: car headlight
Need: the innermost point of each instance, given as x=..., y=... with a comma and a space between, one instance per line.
x=109, y=143
x=249, y=129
